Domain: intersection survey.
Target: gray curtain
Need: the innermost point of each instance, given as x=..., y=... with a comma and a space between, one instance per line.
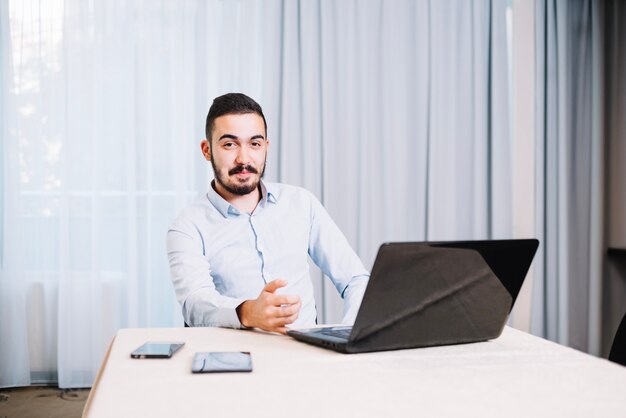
x=614, y=284
x=4, y=55
x=396, y=114
x=573, y=106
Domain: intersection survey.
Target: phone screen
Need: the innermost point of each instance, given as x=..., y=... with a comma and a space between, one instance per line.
x=156, y=350
x=220, y=362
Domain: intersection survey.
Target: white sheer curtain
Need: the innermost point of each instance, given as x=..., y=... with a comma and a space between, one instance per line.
x=102, y=124
x=394, y=113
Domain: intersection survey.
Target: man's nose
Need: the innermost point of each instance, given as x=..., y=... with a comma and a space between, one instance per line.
x=243, y=157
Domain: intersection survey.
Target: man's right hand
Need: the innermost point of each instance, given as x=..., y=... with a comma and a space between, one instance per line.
x=270, y=312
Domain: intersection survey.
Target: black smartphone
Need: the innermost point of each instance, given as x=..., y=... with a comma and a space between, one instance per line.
x=157, y=350
x=221, y=362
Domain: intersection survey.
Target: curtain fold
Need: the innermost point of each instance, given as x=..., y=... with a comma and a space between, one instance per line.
x=613, y=289
x=15, y=361
x=395, y=114
x=579, y=182
x=563, y=124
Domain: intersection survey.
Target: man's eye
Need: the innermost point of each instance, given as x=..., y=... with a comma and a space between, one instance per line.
x=255, y=144
x=229, y=144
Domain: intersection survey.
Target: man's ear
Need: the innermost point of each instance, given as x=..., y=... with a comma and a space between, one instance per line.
x=206, y=149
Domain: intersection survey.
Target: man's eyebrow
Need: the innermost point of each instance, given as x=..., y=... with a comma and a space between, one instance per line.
x=230, y=136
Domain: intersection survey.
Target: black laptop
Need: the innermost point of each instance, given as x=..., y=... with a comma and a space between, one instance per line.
x=424, y=294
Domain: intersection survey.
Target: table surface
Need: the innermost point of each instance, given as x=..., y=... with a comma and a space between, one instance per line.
x=516, y=374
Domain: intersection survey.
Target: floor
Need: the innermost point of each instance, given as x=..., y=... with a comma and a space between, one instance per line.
x=42, y=402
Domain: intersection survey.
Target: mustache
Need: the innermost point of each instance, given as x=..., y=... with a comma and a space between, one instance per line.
x=242, y=167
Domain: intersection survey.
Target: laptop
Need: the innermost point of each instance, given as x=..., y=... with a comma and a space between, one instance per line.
x=423, y=294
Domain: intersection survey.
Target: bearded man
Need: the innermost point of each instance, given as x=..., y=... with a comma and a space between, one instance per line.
x=239, y=254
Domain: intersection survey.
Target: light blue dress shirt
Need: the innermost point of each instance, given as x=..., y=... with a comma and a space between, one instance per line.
x=219, y=256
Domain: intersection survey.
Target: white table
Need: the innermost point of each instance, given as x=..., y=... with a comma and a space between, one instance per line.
x=515, y=375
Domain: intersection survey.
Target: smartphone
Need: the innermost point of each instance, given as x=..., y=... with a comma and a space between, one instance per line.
x=157, y=350
x=222, y=362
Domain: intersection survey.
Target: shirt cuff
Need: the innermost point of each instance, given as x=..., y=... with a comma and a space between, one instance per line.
x=204, y=314
x=227, y=313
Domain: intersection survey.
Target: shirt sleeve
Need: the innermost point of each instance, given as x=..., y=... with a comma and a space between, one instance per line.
x=330, y=251
x=202, y=304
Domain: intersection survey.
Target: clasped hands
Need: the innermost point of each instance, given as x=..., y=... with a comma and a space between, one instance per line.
x=270, y=311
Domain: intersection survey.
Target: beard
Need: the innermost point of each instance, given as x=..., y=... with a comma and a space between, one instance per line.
x=238, y=188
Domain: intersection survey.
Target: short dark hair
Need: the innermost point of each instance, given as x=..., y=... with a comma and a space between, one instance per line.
x=231, y=103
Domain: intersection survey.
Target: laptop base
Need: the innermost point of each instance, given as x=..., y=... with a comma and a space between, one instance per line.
x=316, y=336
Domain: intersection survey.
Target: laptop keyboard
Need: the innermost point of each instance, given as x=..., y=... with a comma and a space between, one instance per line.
x=341, y=332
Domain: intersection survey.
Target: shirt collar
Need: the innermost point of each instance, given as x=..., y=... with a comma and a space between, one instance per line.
x=268, y=194
x=225, y=208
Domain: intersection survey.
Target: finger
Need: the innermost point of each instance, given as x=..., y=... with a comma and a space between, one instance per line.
x=274, y=284
x=272, y=312
x=286, y=310
x=294, y=309
x=290, y=319
x=278, y=300
x=282, y=330
x=285, y=320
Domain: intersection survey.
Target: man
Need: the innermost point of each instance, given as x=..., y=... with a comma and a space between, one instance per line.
x=239, y=254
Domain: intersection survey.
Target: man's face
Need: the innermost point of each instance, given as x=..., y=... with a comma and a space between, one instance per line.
x=238, y=152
